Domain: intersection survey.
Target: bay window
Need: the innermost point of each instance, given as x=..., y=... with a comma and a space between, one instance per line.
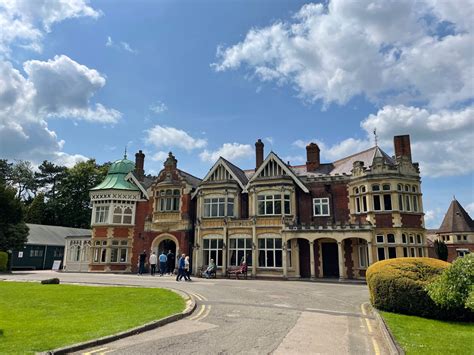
x=101, y=214
x=270, y=252
x=169, y=200
x=216, y=207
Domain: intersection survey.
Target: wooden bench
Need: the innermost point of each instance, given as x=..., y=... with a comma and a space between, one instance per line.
x=237, y=270
x=212, y=275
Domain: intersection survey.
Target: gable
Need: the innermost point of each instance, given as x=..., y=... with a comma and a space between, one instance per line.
x=221, y=172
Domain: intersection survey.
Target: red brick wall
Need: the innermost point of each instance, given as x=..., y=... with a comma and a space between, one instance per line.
x=121, y=232
x=383, y=220
x=452, y=253
x=411, y=220
x=100, y=232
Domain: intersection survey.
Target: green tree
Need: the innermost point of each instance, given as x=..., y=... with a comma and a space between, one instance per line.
x=13, y=230
x=73, y=202
x=23, y=179
x=5, y=171
x=441, y=250
x=48, y=176
x=36, y=211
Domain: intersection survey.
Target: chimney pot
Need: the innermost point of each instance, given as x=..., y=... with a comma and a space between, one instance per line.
x=312, y=157
x=258, y=153
x=402, y=146
x=139, y=165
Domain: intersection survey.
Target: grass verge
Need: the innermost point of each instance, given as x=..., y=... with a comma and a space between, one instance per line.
x=35, y=317
x=418, y=335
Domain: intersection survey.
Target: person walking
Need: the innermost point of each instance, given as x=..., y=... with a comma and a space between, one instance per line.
x=181, y=264
x=152, y=261
x=170, y=262
x=187, y=268
x=141, y=263
x=163, y=261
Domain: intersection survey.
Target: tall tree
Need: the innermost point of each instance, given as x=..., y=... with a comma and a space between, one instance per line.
x=5, y=170
x=48, y=176
x=73, y=193
x=36, y=211
x=23, y=179
x=13, y=230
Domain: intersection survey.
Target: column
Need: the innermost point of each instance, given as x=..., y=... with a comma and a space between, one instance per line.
x=284, y=256
x=340, y=254
x=254, y=251
x=311, y=259
x=224, y=252
x=371, y=255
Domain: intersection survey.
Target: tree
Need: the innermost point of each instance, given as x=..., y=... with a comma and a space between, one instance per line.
x=441, y=250
x=13, y=230
x=48, y=176
x=73, y=202
x=5, y=170
x=36, y=211
x=23, y=179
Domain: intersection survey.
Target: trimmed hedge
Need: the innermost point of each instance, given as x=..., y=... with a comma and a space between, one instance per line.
x=399, y=285
x=3, y=261
x=53, y=281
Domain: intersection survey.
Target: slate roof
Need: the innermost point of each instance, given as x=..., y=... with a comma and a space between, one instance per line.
x=456, y=220
x=52, y=235
x=237, y=171
x=190, y=179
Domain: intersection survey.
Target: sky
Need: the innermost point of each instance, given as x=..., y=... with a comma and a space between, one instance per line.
x=86, y=79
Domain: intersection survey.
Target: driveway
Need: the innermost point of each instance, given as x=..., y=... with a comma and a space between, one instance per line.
x=249, y=316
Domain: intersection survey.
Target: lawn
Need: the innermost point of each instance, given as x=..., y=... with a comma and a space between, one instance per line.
x=427, y=336
x=35, y=317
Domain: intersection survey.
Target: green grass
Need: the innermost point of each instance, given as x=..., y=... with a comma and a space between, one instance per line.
x=35, y=317
x=418, y=335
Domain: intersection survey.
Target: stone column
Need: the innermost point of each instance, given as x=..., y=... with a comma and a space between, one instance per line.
x=371, y=251
x=284, y=256
x=311, y=260
x=224, y=252
x=254, y=251
x=340, y=254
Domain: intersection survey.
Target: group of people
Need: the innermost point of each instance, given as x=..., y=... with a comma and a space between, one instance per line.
x=166, y=263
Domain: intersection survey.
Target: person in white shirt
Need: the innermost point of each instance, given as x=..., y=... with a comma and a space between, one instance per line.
x=153, y=259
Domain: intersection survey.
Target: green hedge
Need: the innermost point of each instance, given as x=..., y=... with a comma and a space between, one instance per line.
x=399, y=285
x=3, y=261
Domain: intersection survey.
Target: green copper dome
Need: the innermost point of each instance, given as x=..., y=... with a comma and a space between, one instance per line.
x=115, y=179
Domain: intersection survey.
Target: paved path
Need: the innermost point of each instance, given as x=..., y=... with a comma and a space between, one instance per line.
x=249, y=316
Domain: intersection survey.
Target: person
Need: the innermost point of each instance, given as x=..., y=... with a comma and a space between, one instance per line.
x=187, y=268
x=163, y=260
x=210, y=269
x=152, y=261
x=181, y=264
x=141, y=263
x=170, y=262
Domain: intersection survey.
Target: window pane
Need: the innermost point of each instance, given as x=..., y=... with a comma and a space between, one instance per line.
x=168, y=204
x=278, y=258
x=117, y=218
x=390, y=238
x=277, y=243
x=261, y=258
x=405, y=252
x=380, y=239
x=214, y=210
x=287, y=207
x=206, y=257
x=261, y=207
x=270, y=261
x=233, y=257
x=364, y=200
x=392, y=253
x=206, y=243
x=127, y=219
x=221, y=209
x=269, y=207
x=232, y=243
x=220, y=243
x=213, y=254
x=400, y=202
x=270, y=243
x=278, y=207
x=381, y=253
x=377, y=203
x=387, y=200
x=261, y=243
x=213, y=243
x=325, y=209
x=219, y=257
x=207, y=210
x=113, y=255
x=230, y=209
x=240, y=257
x=240, y=242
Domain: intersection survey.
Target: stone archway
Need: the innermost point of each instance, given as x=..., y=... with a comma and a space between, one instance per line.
x=166, y=242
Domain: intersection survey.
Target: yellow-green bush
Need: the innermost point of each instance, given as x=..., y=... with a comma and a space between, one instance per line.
x=3, y=261
x=398, y=285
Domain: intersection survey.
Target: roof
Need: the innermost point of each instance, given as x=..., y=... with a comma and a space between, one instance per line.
x=456, y=219
x=345, y=165
x=53, y=235
x=116, y=177
x=190, y=179
x=237, y=171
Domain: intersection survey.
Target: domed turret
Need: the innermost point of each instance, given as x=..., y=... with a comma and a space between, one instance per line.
x=122, y=166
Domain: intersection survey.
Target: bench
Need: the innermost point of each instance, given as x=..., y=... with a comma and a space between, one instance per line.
x=212, y=275
x=237, y=270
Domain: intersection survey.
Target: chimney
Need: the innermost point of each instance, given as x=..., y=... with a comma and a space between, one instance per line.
x=258, y=153
x=312, y=157
x=402, y=146
x=139, y=164
x=170, y=163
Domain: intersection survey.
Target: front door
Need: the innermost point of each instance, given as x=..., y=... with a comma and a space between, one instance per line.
x=305, y=269
x=330, y=260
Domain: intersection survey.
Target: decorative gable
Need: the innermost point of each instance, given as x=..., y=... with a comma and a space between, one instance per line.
x=272, y=169
x=220, y=174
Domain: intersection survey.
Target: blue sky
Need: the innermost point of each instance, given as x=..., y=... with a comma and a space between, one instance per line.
x=207, y=78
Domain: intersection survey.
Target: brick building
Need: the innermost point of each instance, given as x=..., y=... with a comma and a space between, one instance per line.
x=306, y=221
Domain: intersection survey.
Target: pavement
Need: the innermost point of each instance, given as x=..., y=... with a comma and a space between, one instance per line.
x=248, y=317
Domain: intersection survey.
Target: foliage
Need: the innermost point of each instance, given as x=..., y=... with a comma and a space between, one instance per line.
x=36, y=318
x=53, y=281
x=441, y=250
x=13, y=231
x=5, y=170
x=3, y=261
x=452, y=288
x=35, y=212
x=398, y=285
x=23, y=179
x=428, y=336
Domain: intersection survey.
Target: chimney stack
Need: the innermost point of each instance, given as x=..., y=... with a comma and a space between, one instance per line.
x=170, y=163
x=312, y=157
x=402, y=146
x=258, y=153
x=139, y=164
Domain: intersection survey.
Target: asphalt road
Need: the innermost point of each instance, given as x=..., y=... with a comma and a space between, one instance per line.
x=250, y=317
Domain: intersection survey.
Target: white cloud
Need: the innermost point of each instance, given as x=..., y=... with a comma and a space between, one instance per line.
x=159, y=156
x=336, y=52
x=269, y=140
x=230, y=151
x=55, y=88
x=158, y=107
x=167, y=137
x=470, y=209
x=121, y=45
x=294, y=159
x=109, y=42
x=24, y=24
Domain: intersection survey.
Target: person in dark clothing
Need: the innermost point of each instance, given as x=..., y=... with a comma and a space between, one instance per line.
x=141, y=263
x=181, y=270
x=170, y=262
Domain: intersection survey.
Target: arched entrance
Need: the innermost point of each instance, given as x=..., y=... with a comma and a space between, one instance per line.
x=330, y=258
x=168, y=244
x=304, y=256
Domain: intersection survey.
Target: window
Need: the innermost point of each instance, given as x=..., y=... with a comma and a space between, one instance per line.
x=381, y=253
x=392, y=252
x=462, y=252
x=420, y=252
x=122, y=215
x=405, y=252
x=377, y=206
x=269, y=205
x=363, y=256
x=414, y=189
x=464, y=237
x=100, y=251
x=240, y=249
x=459, y=237
x=321, y=206
x=418, y=239
x=407, y=188
x=212, y=249
x=386, y=187
x=215, y=207
x=364, y=203
x=400, y=202
x=119, y=251
x=387, y=201
x=362, y=189
x=380, y=239
x=400, y=187
x=269, y=252
x=412, y=252
x=101, y=214
x=412, y=239
x=404, y=238
x=169, y=200
x=415, y=203
x=375, y=187
x=288, y=252
x=58, y=253
x=357, y=200
x=390, y=239
x=36, y=253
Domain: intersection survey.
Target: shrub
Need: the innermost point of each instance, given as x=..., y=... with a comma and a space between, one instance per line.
x=53, y=281
x=398, y=285
x=3, y=261
x=452, y=288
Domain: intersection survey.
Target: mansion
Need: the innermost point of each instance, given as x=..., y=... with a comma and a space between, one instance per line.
x=288, y=221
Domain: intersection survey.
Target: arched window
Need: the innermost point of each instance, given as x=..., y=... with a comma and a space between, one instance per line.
x=122, y=215
x=386, y=187
x=375, y=187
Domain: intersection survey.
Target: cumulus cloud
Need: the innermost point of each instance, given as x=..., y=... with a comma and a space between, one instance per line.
x=25, y=25
x=470, y=209
x=168, y=137
x=337, y=51
x=55, y=88
x=159, y=156
x=230, y=151
x=158, y=107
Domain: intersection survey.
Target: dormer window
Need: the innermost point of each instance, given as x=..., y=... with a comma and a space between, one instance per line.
x=169, y=200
